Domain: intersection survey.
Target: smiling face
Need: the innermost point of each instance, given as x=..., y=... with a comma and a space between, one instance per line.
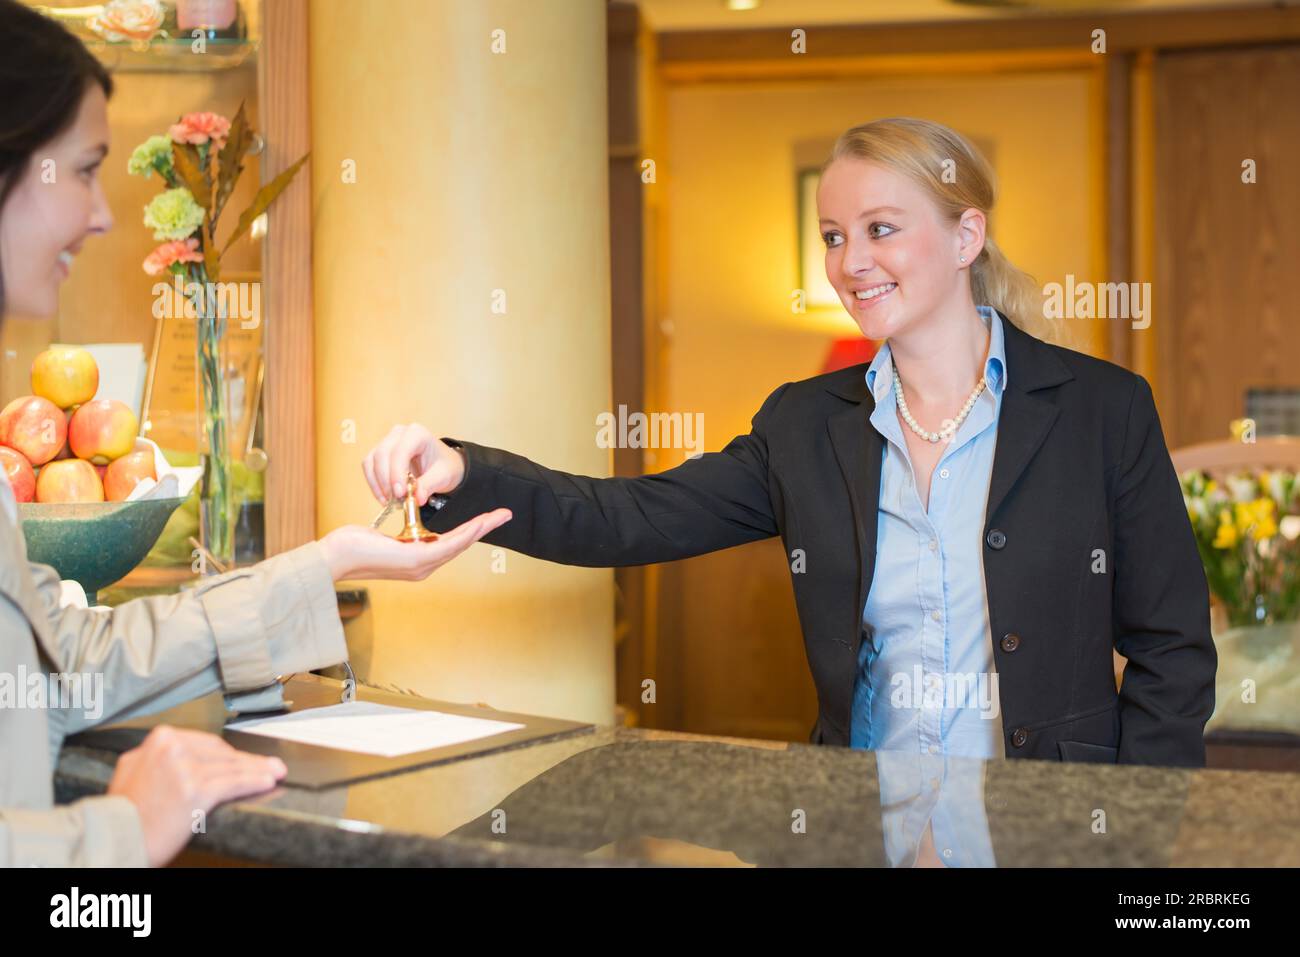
x=892, y=260
x=56, y=203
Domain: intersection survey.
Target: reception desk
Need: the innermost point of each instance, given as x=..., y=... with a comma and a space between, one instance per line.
x=619, y=796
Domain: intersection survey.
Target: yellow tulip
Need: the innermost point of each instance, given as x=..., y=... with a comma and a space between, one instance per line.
x=1263, y=531
x=1241, y=517
x=1226, y=536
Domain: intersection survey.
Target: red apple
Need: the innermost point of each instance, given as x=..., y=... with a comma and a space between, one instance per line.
x=69, y=480
x=103, y=430
x=19, y=472
x=122, y=475
x=66, y=375
x=35, y=427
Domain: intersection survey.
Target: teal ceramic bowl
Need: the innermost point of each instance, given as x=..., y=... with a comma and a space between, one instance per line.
x=95, y=543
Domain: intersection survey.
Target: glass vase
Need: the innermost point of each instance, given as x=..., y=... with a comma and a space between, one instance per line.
x=216, y=490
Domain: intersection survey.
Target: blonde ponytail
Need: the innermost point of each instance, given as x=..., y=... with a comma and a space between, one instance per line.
x=997, y=281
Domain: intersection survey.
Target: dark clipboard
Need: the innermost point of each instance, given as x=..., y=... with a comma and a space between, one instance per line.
x=315, y=768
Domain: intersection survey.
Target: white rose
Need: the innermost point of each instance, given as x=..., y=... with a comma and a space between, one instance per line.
x=123, y=20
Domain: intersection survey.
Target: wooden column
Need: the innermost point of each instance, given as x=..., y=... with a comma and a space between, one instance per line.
x=1119, y=193
x=289, y=395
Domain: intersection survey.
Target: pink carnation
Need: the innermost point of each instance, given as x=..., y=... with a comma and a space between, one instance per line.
x=198, y=128
x=166, y=255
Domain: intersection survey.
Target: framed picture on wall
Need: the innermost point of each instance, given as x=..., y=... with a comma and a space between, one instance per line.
x=818, y=292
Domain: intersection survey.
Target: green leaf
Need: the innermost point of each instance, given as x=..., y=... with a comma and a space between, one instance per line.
x=231, y=159
x=263, y=200
x=186, y=163
x=166, y=171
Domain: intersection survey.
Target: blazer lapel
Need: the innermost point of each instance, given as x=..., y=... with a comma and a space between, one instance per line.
x=1025, y=418
x=859, y=450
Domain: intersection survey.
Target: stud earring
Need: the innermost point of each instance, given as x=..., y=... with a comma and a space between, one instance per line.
x=963, y=258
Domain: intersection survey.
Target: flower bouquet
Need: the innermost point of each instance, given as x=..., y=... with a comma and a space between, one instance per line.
x=199, y=161
x=1248, y=533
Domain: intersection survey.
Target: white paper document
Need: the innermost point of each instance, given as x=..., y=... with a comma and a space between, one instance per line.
x=370, y=728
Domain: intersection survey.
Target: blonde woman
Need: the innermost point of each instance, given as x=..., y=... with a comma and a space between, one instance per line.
x=234, y=632
x=982, y=516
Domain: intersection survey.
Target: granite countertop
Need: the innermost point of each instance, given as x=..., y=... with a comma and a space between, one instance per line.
x=620, y=796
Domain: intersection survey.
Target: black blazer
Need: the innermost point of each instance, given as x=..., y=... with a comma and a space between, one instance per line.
x=1087, y=545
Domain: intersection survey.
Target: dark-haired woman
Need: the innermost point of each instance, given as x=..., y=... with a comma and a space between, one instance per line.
x=233, y=632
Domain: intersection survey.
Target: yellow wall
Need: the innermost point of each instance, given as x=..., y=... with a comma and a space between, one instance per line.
x=474, y=172
x=728, y=219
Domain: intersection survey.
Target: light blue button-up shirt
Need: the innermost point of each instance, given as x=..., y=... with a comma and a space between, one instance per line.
x=945, y=792
x=926, y=680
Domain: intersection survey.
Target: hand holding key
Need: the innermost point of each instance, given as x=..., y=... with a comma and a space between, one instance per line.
x=412, y=449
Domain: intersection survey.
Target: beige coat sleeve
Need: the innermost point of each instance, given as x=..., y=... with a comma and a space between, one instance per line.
x=234, y=632
x=93, y=832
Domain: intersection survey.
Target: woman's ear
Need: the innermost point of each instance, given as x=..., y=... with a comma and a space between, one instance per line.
x=970, y=230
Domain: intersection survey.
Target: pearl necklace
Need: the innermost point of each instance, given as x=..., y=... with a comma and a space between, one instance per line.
x=949, y=429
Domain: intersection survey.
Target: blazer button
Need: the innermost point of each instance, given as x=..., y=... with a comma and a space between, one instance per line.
x=1019, y=737
x=1010, y=642
x=996, y=538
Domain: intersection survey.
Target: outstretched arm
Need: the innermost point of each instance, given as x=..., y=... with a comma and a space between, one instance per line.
x=707, y=503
